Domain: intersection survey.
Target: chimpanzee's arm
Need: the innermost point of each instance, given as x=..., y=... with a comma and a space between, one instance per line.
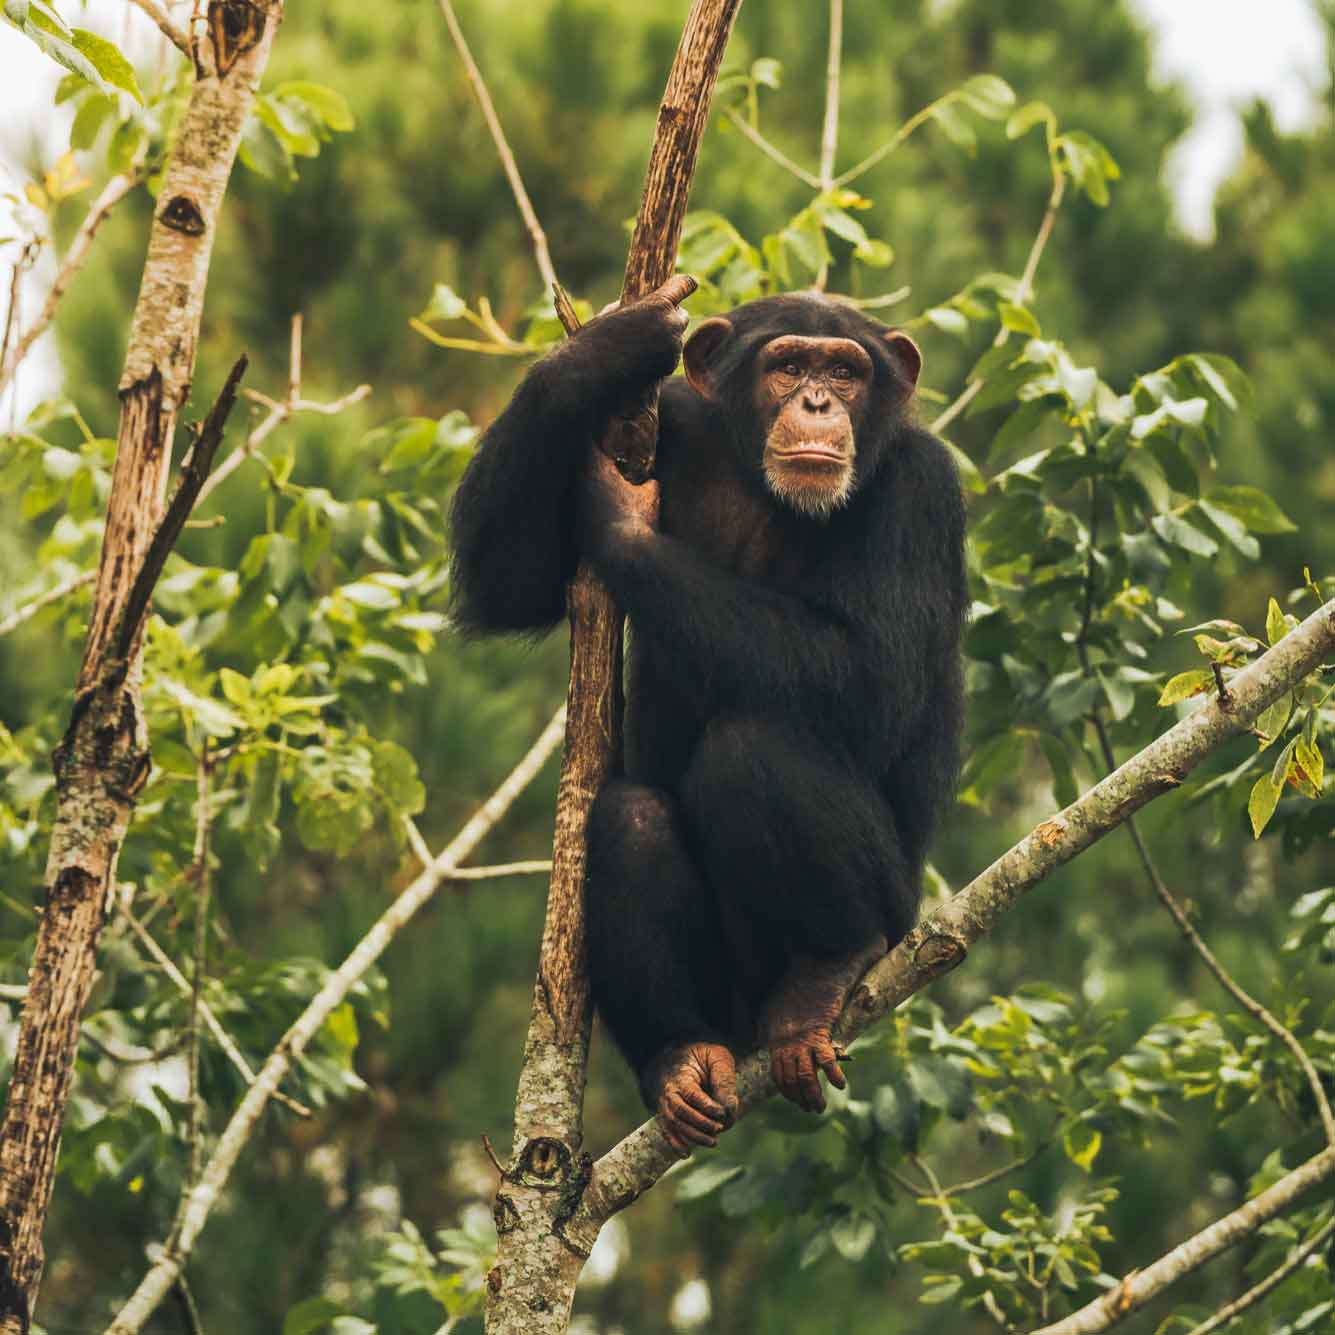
x=878, y=640
x=513, y=520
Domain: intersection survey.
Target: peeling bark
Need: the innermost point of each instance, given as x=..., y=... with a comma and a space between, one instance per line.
x=544, y=1233
x=104, y=759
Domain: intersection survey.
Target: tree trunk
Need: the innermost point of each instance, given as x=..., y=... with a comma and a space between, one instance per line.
x=103, y=760
x=530, y=1290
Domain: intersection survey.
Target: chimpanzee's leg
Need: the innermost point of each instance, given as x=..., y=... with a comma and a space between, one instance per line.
x=804, y=855
x=657, y=967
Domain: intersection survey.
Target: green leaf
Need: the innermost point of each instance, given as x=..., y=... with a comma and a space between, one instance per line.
x=1232, y=528
x=706, y=1180
x=1252, y=507
x=948, y=320
x=767, y=71
x=1276, y=623
x=988, y=95
x=1262, y=803
x=326, y=103
x=942, y=1292
x=957, y=128
x=107, y=60
x=1082, y=1144
x=396, y=778
x=1175, y=530
x=88, y=120
x=1270, y=722
x=445, y=304
x=1029, y=115
x=1186, y=685
x=311, y=1316
x=853, y=1235
x=1019, y=319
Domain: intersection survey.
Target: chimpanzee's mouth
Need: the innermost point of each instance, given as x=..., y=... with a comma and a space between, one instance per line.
x=811, y=451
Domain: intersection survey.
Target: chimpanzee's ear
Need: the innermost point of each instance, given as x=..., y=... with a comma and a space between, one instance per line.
x=906, y=354
x=700, y=351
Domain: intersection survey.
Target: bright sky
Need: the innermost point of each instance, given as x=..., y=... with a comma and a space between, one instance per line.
x=1227, y=52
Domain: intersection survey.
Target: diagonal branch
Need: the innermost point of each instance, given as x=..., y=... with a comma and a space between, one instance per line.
x=771, y=151
x=942, y=940
x=1140, y=1286
x=199, y=1201
x=113, y=192
x=526, y=210
x=829, y=138
x=29, y=610
x=193, y=476
x=178, y=37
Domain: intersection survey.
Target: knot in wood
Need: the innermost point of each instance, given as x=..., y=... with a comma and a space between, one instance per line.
x=939, y=954
x=234, y=27
x=543, y=1163
x=504, y=1214
x=1050, y=833
x=182, y=214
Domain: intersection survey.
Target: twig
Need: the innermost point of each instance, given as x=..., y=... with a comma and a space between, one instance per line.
x=771, y=151
x=422, y=852
x=189, y=1312
x=12, y=991
x=1272, y=1281
x=113, y=192
x=941, y=1199
x=199, y=1201
x=474, y=75
x=491, y=1154
x=279, y=411
x=27, y=258
x=1023, y=291
x=29, y=610
x=199, y=873
x=829, y=138
x=224, y=1040
x=194, y=473
x=987, y=1179
x=176, y=36
x=1139, y=1287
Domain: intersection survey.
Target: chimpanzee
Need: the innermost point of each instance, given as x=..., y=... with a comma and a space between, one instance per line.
x=794, y=579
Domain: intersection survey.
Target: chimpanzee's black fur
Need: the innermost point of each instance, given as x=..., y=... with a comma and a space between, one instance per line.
x=794, y=702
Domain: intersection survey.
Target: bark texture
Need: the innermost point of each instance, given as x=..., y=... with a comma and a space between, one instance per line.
x=540, y=1256
x=103, y=761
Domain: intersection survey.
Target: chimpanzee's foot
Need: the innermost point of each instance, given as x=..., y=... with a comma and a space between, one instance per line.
x=794, y=1063
x=798, y=1019
x=693, y=1088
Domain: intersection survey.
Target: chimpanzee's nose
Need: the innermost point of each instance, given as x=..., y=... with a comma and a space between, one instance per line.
x=815, y=401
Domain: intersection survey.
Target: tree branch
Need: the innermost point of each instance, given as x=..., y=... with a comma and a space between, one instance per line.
x=211, y=1022
x=194, y=473
x=775, y=154
x=942, y=940
x=178, y=37
x=29, y=610
x=829, y=138
x=1023, y=292
x=1140, y=1286
x=536, y=235
x=199, y=1201
x=1272, y=1281
x=112, y=193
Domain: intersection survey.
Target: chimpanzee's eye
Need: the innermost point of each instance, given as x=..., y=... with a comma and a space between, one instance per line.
x=842, y=373
x=792, y=368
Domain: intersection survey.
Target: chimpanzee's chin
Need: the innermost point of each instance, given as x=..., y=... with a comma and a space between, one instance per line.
x=814, y=491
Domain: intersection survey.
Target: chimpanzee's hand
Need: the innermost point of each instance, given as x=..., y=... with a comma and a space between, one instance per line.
x=613, y=510
x=643, y=340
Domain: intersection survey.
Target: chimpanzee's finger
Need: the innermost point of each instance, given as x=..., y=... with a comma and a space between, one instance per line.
x=675, y=290
x=827, y=1058
x=702, y=1103
x=672, y=1139
x=723, y=1081
x=684, y=1115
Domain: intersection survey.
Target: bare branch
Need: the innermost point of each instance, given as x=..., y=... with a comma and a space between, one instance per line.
x=194, y=473
x=113, y=192
x=1023, y=292
x=996, y=1175
x=279, y=411
x=199, y=1201
x=775, y=154
x=1272, y=1281
x=178, y=980
x=829, y=139
x=200, y=875
x=536, y=867
x=178, y=37
x=1140, y=1286
x=29, y=610
x=942, y=940
x=536, y=235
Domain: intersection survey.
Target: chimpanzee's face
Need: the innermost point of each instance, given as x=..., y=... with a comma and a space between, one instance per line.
x=811, y=397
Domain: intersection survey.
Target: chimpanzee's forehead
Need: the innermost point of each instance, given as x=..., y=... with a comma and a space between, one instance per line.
x=801, y=313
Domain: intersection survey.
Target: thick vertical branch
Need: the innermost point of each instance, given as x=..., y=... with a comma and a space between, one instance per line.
x=530, y=1290
x=103, y=760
